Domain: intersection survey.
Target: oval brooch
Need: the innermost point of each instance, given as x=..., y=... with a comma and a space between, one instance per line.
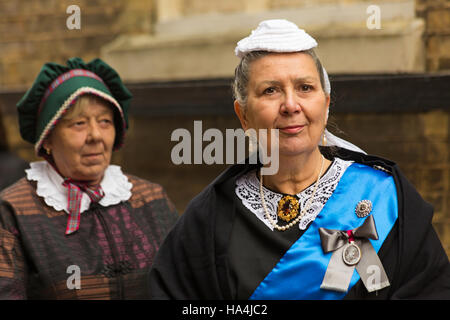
x=288, y=208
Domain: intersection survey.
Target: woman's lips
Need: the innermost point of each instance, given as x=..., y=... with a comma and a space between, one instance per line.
x=291, y=129
x=93, y=156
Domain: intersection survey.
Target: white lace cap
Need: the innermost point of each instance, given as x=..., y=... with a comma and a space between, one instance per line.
x=280, y=35
x=276, y=35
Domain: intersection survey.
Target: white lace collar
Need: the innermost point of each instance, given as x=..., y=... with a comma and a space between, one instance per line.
x=247, y=189
x=115, y=184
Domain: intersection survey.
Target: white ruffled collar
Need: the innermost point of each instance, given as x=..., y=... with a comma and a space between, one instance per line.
x=115, y=184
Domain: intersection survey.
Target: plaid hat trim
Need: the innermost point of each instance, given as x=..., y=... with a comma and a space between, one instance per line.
x=64, y=77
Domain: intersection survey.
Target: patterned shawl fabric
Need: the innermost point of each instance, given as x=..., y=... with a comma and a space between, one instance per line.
x=107, y=258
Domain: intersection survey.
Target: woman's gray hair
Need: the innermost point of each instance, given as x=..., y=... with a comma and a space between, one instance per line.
x=242, y=73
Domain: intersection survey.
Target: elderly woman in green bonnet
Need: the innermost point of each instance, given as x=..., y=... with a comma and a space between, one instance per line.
x=77, y=226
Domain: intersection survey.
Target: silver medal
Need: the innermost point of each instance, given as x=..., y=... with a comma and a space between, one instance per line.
x=351, y=254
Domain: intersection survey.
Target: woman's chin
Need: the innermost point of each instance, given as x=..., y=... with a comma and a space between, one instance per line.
x=92, y=173
x=289, y=150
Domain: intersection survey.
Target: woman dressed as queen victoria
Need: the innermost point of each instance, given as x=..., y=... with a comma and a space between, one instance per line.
x=332, y=223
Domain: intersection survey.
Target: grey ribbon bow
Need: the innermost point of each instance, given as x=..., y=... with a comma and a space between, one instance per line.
x=334, y=239
x=338, y=274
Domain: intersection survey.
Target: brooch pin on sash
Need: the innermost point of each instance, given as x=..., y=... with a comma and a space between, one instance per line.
x=363, y=208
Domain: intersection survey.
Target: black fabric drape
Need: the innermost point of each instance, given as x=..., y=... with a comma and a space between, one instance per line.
x=194, y=260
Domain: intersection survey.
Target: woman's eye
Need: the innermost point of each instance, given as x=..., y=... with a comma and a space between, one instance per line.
x=105, y=122
x=79, y=123
x=269, y=90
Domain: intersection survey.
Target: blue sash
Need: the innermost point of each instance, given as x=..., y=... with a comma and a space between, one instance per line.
x=299, y=273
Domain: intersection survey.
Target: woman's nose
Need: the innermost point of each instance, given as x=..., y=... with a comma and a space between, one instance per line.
x=290, y=103
x=94, y=131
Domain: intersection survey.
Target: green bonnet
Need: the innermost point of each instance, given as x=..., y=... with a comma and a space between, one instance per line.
x=57, y=87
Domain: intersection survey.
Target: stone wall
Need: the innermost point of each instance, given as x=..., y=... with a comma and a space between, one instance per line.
x=437, y=33
x=195, y=39
x=35, y=32
x=420, y=144
x=178, y=8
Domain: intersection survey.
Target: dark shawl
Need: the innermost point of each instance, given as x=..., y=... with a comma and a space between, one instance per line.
x=194, y=260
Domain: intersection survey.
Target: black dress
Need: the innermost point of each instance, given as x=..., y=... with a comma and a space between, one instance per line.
x=217, y=250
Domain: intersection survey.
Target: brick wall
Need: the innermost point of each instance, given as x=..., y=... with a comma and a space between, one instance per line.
x=197, y=7
x=194, y=7
x=436, y=14
x=420, y=144
x=35, y=32
x=276, y=4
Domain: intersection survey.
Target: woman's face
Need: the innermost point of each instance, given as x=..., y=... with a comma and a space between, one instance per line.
x=284, y=92
x=81, y=146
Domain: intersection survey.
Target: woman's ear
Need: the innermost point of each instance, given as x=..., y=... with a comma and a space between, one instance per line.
x=240, y=112
x=47, y=145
